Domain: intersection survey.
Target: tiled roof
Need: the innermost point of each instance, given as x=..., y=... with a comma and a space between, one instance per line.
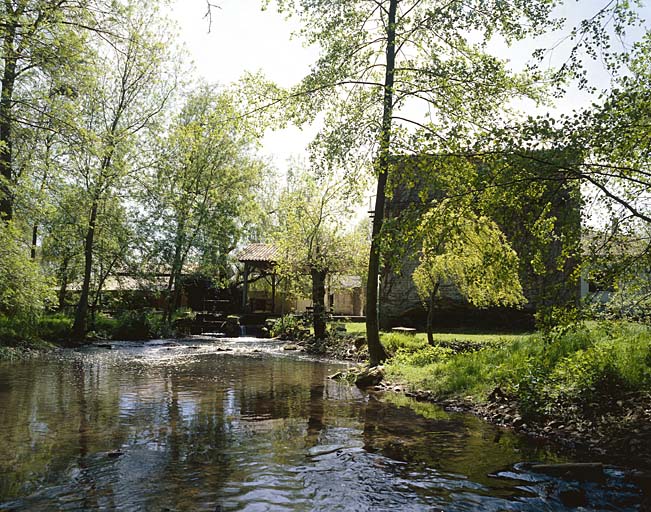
x=259, y=252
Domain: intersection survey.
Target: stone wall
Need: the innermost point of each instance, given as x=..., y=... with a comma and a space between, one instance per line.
x=399, y=300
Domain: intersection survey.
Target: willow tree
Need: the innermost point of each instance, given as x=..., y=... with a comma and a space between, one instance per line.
x=382, y=60
x=469, y=251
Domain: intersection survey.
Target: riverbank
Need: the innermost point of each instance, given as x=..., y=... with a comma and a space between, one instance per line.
x=26, y=350
x=587, y=387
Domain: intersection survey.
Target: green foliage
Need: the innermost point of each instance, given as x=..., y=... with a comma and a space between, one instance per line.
x=469, y=251
x=200, y=194
x=33, y=332
x=24, y=289
x=312, y=230
x=55, y=328
x=290, y=326
x=14, y=330
x=140, y=325
x=132, y=325
x=104, y=325
x=583, y=367
x=425, y=356
x=393, y=342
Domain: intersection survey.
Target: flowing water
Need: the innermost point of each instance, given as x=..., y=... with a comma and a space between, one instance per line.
x=243, y=425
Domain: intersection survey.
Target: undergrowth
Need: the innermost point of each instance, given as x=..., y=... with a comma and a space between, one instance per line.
x=582, y=367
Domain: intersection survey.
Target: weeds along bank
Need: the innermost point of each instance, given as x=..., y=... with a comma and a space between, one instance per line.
x=571, y=366
x=24, y=335
x=588, y=384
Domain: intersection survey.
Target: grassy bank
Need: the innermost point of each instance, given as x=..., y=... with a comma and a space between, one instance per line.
x=588, y=385
x=577, y=365
x=44, y=332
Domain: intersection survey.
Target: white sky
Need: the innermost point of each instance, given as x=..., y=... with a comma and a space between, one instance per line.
x=245, y=38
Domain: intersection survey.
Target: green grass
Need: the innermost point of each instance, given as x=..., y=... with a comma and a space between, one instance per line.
x=576, y=367
x=355, y=327
x=392, y=341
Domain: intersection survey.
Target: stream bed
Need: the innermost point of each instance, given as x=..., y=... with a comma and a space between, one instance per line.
x=241, y=424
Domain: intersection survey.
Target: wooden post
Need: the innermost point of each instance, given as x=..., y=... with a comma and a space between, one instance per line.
x=245, y=287
x=273, y=293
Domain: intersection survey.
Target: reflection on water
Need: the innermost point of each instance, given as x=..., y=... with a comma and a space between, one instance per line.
x=189, y=427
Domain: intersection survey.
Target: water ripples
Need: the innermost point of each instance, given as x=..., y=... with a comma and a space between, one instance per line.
x=222, y=426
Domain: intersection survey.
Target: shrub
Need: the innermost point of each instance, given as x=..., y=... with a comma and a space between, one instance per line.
x=14, y=330
x=104, y=325
x=24, y=289
x=393, y=342
x=56, y=328
x=133, y=325
x=289, y=326
x=422, y=357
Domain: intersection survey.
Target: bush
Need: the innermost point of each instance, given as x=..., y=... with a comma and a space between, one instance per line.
x=393, y=342
x=422, y=357
x=586, y=376
x=133, y=325
x=24, y=289
x=289, y=326
x=14, y=330
x=104, y=326
x=55, y=328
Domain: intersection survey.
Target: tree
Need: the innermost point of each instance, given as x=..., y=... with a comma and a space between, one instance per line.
x=201, y=194
x=42, y=49
x=382, y=58
x=610, y=144
x=61, y=251
x=312, y=238
x=24, y=289
x=467, y=250
x=129, y=92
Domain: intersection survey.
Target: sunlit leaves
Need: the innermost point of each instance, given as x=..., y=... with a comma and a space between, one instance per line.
x=469, y=251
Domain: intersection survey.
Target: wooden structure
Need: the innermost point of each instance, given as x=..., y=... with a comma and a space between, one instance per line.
x=344, y=294
x=259, y=262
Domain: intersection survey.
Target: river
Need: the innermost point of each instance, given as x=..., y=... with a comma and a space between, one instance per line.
x=243, y=425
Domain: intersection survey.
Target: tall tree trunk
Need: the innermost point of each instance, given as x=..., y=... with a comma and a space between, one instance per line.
x=318, y=302
x=79, y=327
x=34, y=241
x=176, y=295
x=6, y=120
x=430, y=314
x=63, y=271
x=376, y=351
x=173, y=283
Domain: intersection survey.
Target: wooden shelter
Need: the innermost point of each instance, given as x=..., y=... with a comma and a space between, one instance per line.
x=260, y=261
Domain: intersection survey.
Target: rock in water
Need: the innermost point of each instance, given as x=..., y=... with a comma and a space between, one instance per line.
x=573, y=498
x=369, y=377
x=577, y=471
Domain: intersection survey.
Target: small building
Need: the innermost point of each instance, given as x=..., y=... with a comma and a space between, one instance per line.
x=260, y=264
x=263, y=290
x=544, y=194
